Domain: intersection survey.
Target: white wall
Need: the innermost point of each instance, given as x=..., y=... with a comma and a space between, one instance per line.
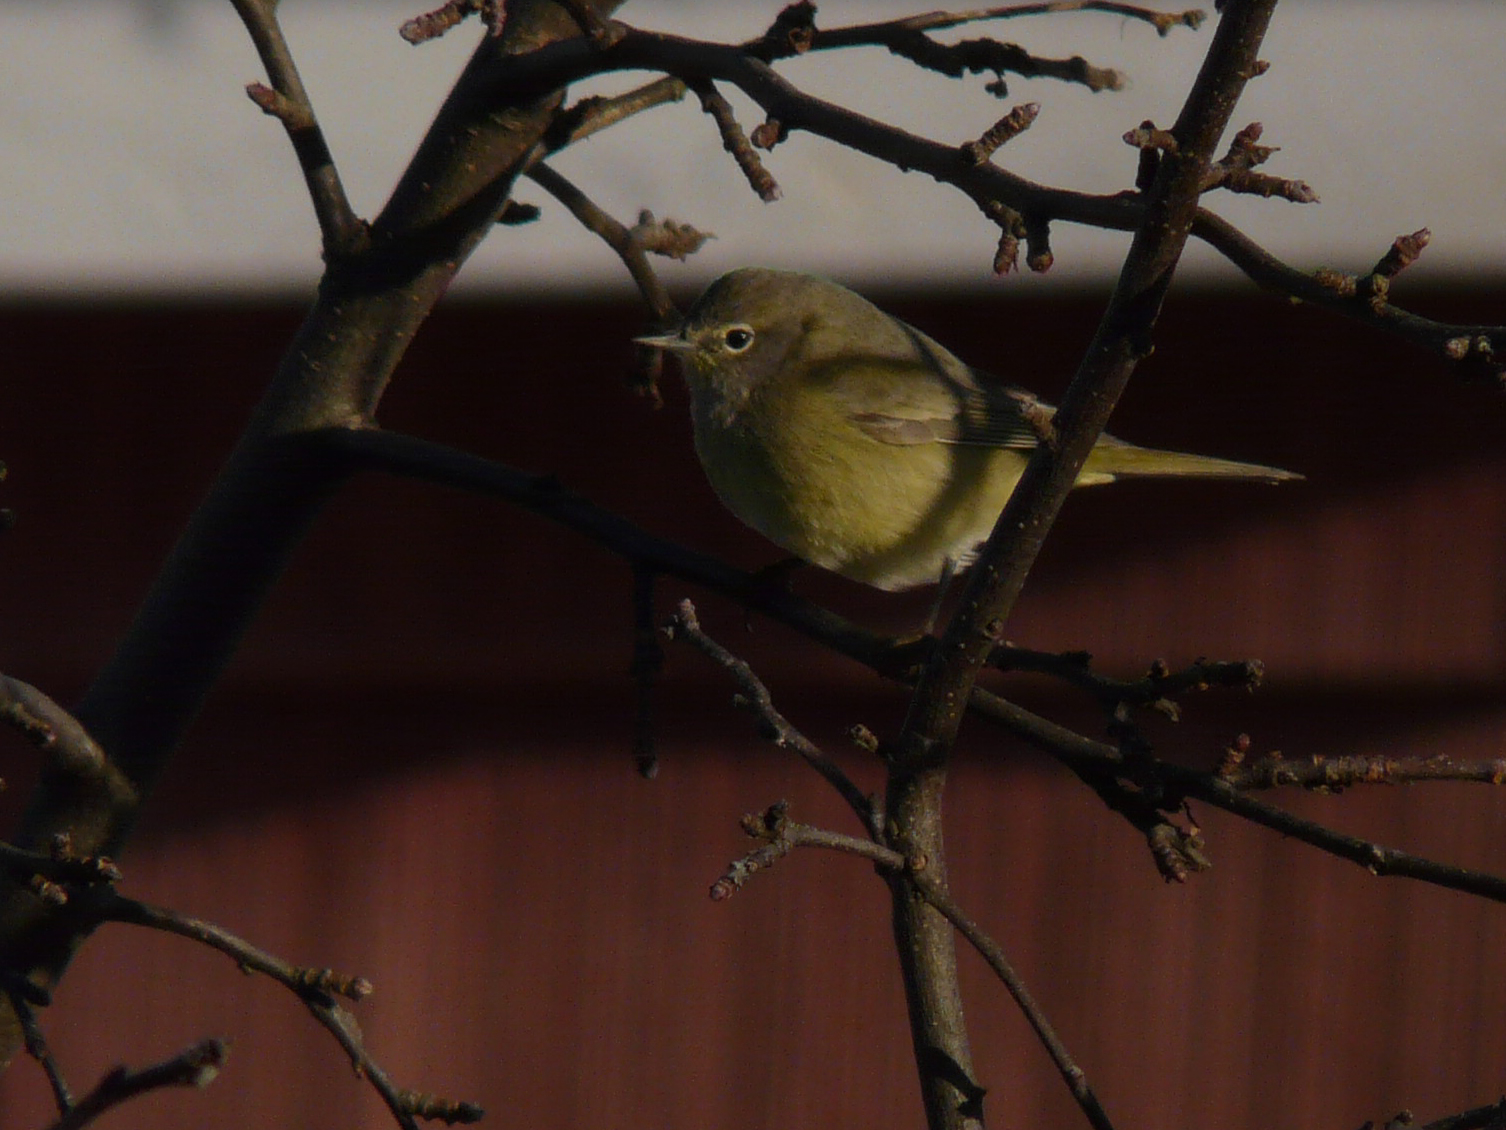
x=130, y=158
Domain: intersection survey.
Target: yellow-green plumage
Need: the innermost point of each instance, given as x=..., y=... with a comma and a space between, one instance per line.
x=857, y=443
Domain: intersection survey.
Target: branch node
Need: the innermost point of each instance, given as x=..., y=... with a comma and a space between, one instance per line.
x=864, y=738
x=515, y=213
x=431, y=25
x=279, y=106
x=769, y=133
x=1147, y=135
x=1235, y=171
x=328, y=981
x=1010, y=126
x=1178, y=852
x=1341, y=284
x=439, y=1109
x=792, y=33
x=1038, y=255
x=1403, y=252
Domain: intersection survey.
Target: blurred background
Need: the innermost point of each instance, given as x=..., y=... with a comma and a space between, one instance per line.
x=418, y=768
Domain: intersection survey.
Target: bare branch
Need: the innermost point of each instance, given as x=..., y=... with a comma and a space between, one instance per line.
x=305, y=981
x=781, y=835
x=755, y=698
x=60, y=866
x=1157, y=688
x=316, y=988
x=630, y=244
x=975, y=56
x=36, y=1047
x=195, y=1067
x=994, y=189
x=1334, y=774
x=594, y=114
x=1006, y=129
x=1163, y=22
x=795, y=33
x=1479, y=351
x=735, y=141
x=991, y=952
x=1175, y=782
x=288, y=101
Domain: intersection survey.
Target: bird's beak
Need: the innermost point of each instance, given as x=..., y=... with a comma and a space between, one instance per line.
x=669, y=342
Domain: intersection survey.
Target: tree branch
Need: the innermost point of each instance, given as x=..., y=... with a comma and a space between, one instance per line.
x=667, y=238
x=289, y=103
x=316, y=988
x=273, y=486
x=755, y=699
x=1478, y=350
x=1169, y=784
x=195, y=1067
x=781, y=835
x=991, y=952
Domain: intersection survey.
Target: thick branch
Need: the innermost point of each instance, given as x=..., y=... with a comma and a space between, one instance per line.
x=1123, y=337
x=335, y=371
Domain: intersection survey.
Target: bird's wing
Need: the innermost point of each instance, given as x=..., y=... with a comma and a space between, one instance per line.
x=932, y=397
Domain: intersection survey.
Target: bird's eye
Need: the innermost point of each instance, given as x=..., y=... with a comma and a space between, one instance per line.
x=737, y=338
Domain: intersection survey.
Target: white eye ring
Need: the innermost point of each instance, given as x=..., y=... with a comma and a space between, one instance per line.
x=737, y=338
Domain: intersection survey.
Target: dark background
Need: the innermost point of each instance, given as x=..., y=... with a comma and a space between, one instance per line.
x=418, y=770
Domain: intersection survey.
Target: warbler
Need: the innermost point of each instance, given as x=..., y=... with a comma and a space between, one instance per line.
x=859, y=444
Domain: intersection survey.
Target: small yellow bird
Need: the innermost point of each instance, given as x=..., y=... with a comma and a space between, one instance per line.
x=857, y=443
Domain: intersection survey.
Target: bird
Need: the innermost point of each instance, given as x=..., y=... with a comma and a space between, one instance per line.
x=857, y=443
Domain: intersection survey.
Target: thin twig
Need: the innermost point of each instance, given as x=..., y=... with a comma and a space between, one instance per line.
x=735, y=141
x=1073, y=1075
x=905, y=37
x=1158, y=686
x=433, y=24
x=772, y=724
x=1163, y=22
x=195, y=1067
x=60, y=867
x=630, y=247
x=594, y=114
x=36, y=1047
x=1006, y=129
x=289, y=102
x=781, y=835
x=1235, y=171
x=1179, y=782
x=316, y=988
x=1334, y=774
x=1478, y=351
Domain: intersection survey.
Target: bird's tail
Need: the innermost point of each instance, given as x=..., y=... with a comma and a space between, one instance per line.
x=1114, y=459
